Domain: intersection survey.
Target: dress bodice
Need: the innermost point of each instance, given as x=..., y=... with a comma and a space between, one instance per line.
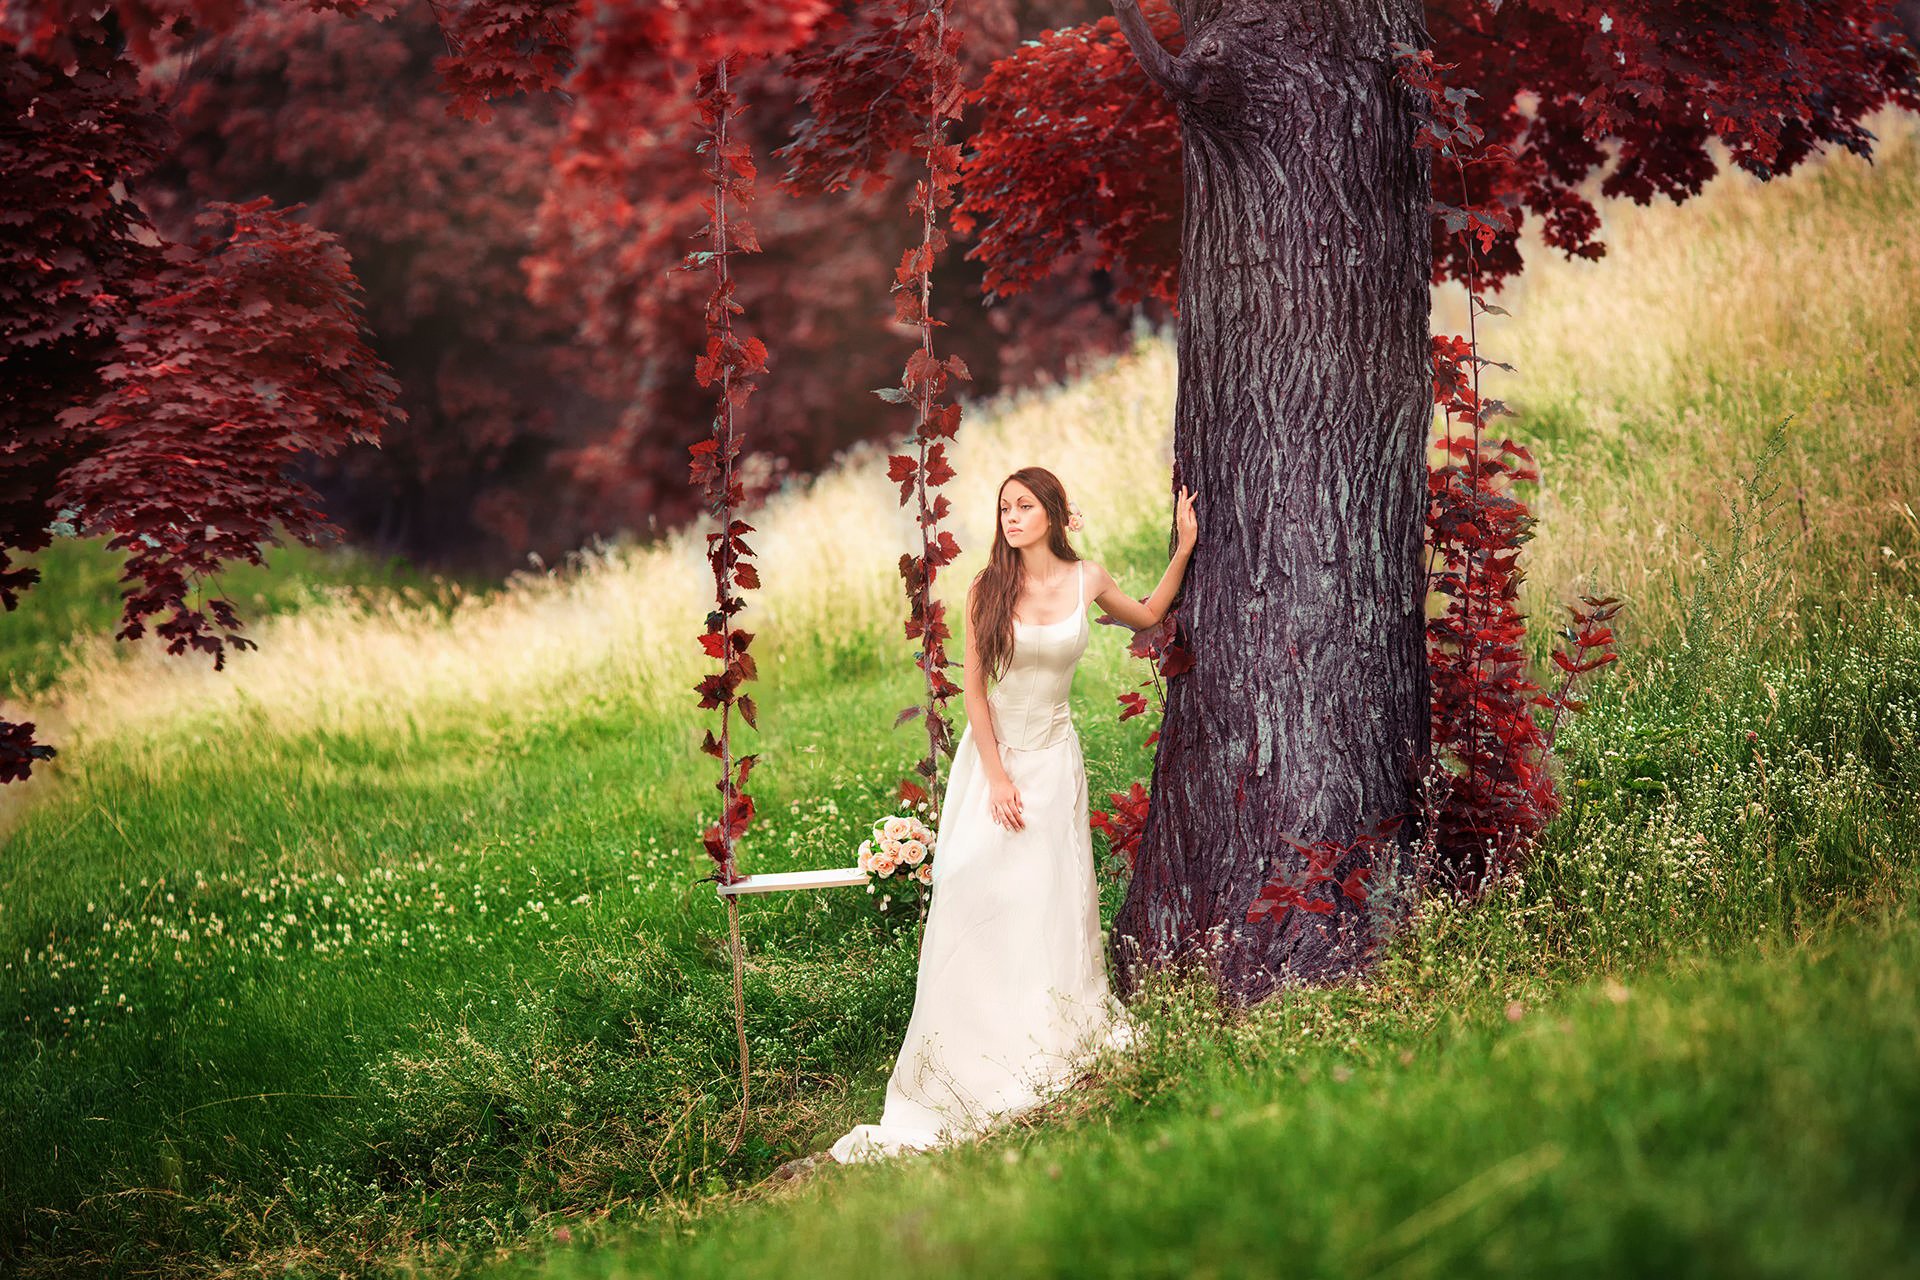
x=1030, y=703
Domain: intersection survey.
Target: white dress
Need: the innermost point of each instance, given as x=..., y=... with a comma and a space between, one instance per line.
x=1012, y=992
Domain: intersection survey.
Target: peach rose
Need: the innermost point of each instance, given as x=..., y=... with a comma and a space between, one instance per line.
x=895, y=829
x=914, y=852
x=924, y=873
x=884, y=862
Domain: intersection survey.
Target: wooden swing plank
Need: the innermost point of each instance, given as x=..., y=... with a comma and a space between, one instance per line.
x=829, y=878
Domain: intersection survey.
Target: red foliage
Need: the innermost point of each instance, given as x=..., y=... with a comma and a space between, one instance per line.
x=243, y=351
x=18, y=751
x=1500, y=792
x=1589, y=646
x=869, y=83
x=517, y=275
x=1347, y=867
x=502, y=387
x=1160, y=646
x=71, y=255
x=1126, y=822
x=1071, y=144
x=618, y=201
x=159, y=391
x=1075, y=141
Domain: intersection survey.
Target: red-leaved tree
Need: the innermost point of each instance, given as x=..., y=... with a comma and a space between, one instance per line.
x=157, y=391
x=1310, y=232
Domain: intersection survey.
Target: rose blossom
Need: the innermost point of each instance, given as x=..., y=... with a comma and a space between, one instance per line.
x=895, y=828
x=914, y=852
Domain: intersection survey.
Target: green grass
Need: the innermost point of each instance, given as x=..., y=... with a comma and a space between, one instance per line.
x=1752, y=1115
x=432, y=884
x=407, y=993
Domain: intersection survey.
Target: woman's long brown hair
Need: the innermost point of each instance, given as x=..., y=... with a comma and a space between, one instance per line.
x=996, y=587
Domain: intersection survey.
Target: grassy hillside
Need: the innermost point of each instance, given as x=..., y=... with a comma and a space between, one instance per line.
x=1753, y=1115
x=70, y=615
x=385, y=950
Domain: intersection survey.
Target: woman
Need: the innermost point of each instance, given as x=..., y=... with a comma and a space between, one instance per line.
x=1012, y=989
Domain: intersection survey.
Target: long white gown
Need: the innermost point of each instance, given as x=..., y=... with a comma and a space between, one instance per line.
x=1012, y=992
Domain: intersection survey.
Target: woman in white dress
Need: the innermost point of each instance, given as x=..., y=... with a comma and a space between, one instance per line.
x=1012, y=992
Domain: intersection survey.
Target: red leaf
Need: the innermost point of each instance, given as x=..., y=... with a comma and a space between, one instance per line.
x=938, y=470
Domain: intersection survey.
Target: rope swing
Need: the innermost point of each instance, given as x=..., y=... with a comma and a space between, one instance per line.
x=731, y=362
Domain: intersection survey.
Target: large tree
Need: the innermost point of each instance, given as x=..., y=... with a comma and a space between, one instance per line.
x=1301, y=271
x=1304, y=406
x=1253, y=160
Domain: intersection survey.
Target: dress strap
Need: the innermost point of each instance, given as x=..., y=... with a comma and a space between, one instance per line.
x=1079, y=569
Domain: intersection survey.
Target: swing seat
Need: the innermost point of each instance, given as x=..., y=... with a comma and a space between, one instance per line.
x=828, y=878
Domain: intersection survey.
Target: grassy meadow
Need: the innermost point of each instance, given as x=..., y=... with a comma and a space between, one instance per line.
x=385, y=950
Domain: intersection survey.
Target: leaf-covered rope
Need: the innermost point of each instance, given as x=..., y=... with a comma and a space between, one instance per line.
x=934, y=64
x=730, y=361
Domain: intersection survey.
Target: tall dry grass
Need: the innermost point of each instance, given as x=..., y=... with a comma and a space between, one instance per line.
x=1647, y=381
x=621, y=622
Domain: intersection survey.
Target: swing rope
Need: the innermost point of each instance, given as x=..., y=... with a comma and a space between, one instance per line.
x=735, y=362
x=739, y=1015
x=712, y=463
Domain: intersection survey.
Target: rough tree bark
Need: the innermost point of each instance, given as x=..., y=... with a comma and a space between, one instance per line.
x=1302, y=415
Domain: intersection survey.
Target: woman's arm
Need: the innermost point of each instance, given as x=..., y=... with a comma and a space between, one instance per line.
x=979, y=713
x=1143, y=614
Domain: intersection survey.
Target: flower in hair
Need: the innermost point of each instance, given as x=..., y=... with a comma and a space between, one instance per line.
x=1074, y=518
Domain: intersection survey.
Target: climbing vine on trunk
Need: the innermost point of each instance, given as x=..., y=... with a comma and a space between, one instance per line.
x=1498, y=791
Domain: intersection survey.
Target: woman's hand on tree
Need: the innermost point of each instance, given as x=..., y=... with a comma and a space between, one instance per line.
x=1186, y=523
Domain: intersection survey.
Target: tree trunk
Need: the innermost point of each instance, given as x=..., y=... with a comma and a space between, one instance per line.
x=1303, y=411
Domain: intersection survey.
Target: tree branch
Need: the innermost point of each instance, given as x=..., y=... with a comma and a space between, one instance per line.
x=1161, y=67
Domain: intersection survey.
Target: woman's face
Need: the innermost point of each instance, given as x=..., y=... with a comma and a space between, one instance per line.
x=1023, y=521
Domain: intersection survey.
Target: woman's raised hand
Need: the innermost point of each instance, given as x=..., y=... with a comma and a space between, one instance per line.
x=1186, y=524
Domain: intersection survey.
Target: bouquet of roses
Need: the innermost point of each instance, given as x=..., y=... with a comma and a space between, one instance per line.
x=899, y=851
